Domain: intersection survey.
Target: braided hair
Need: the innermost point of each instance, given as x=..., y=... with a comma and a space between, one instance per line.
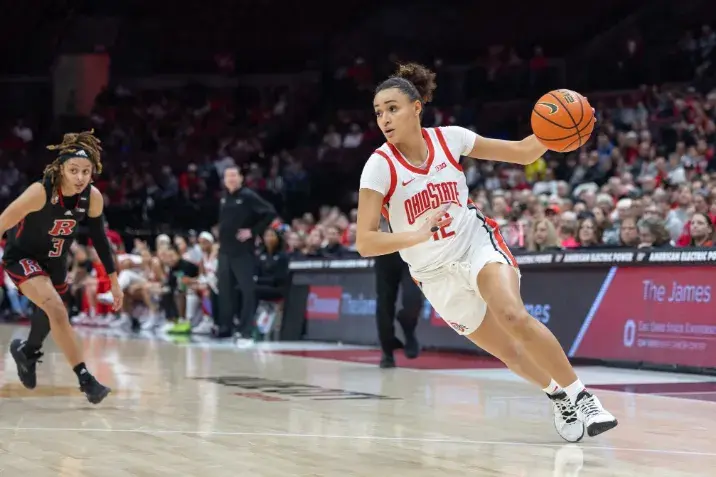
x=84, y=145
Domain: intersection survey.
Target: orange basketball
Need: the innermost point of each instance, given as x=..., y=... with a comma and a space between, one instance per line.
x=562, y=120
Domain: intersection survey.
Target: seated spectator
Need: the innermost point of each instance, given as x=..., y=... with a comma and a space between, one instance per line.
x=588, y=233
x=349, y=239
x=181, y=301
x=313, y=244
x=294, y=244
x=601, y=219
x=333, y=247
x=542, y=236
x=677, y=218
x=701, y=231
x=353, y=138
x=272, y=268
x=628, y=234
x=190, y=253
x=652, y=233
x=568, y=230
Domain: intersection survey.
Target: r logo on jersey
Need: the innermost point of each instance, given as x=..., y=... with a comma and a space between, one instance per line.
x=63, y=227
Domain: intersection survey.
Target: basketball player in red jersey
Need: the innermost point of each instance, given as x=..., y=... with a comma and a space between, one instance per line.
x=455, y=253
x=41, y=225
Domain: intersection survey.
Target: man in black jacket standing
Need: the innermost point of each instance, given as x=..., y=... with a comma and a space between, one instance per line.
x=243, y=216
x=392, y=274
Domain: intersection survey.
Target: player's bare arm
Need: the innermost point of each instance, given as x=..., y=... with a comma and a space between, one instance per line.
x=32, y=200
x=371, y=242
x=524, y=152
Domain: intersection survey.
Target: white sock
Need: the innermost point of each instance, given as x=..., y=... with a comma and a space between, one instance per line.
x=573, y=390
x=552, y=388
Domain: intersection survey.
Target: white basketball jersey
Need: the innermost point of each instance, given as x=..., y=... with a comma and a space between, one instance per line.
x=415, y=193
x=210, y=263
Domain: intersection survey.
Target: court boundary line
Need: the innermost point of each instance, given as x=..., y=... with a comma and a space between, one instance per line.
x=289, y=435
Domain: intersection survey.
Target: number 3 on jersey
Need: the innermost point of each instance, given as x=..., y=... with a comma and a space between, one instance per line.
x=443, y=232
x=57, y=245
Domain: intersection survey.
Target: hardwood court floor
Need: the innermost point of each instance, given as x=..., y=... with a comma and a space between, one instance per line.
x=205, y=410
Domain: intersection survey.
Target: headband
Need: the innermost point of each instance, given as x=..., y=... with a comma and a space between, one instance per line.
x=81, y=153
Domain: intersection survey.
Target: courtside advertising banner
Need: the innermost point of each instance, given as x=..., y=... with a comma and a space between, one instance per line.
x=652, y=314
x=656, y=315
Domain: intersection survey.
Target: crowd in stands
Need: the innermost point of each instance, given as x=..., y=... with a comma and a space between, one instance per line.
x=647, y=179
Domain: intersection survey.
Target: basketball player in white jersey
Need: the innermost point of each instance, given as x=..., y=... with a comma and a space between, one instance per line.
x=455, y=253
x=135, y=287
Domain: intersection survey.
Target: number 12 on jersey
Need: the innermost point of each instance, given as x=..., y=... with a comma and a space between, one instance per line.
x=443, y=232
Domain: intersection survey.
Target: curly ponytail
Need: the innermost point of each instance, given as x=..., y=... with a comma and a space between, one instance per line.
x=413, y=79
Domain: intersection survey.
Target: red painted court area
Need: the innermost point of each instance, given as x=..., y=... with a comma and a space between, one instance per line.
x=426, y=360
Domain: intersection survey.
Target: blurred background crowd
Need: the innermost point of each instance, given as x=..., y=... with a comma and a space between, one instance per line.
x=186, y=97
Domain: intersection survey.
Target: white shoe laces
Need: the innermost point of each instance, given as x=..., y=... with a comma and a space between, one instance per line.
x=566, y=409
x=589, y=407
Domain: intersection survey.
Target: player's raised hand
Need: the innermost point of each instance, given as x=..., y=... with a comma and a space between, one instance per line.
x=435, y=221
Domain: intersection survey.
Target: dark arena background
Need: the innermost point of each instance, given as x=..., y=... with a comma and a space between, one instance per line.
x=615, y=241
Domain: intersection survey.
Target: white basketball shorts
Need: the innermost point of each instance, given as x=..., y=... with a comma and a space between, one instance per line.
x=129, y=277
x=453, y=292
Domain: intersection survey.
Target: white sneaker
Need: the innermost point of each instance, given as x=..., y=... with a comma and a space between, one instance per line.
x=242, y=342
x=123, y=322
x=80, y=319
x=568, y=425
x=592, y=413
x=105, y=320
x=204, y=327
x=149, y=323
x=105, y=298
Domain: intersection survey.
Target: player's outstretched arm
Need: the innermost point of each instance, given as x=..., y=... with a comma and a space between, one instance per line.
x=522, y=152
x=371, y=242
x=97, y=233
x=32, y=200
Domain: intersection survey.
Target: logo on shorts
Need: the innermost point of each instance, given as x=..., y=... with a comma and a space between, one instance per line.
x=457, y=326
